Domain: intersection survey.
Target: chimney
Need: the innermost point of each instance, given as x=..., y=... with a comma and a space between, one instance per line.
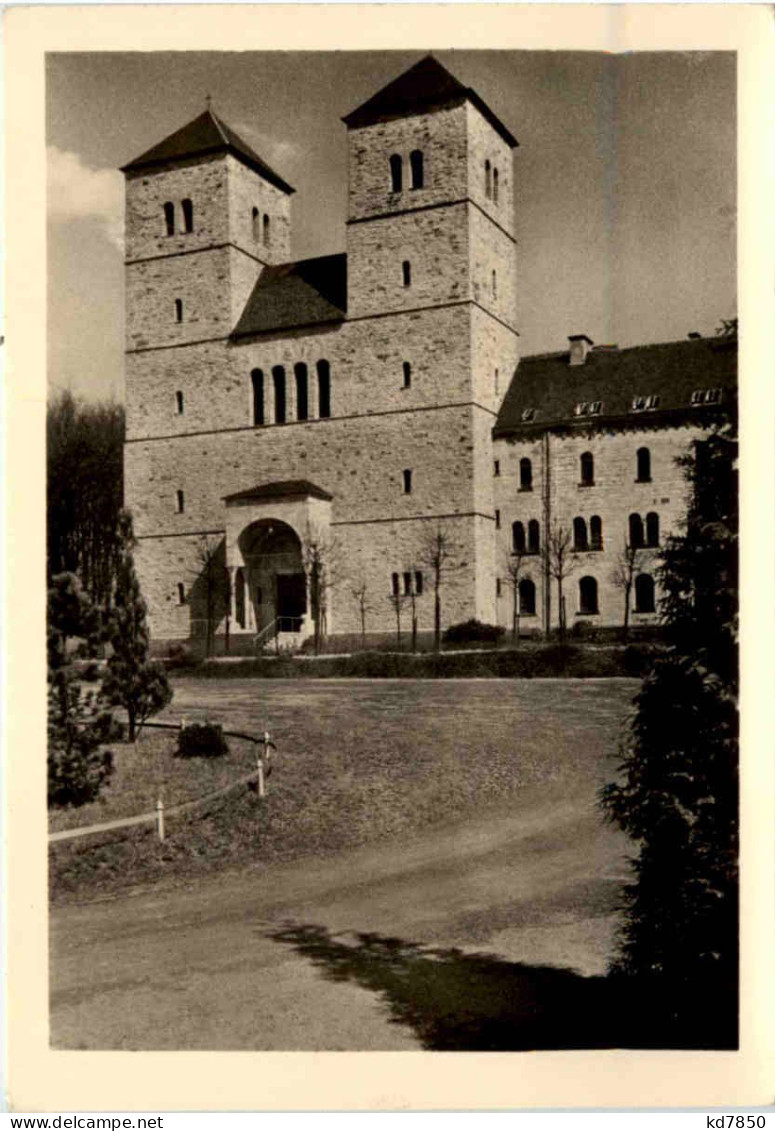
x=580, y=345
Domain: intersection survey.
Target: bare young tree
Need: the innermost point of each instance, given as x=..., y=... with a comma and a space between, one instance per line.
x=441, y=555
x=360, y=594
x=514, y=567
x=322, y=565
x=629, y=562
x=397, y=601
x=411, y=594
x=559, y=563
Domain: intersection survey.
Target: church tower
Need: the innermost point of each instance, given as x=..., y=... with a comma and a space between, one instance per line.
x=430, y=242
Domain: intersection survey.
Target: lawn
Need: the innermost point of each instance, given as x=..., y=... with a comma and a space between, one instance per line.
x=356, y=762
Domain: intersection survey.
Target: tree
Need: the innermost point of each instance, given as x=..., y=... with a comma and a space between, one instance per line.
x=411, y=593
x=630, y=560
x=360, y=594
x=322, y=564
x=397, y=600
x=132, y=680
x=514, y=568
x=78, y=723
x=559, y=563
x=70, y=614
x=440, y=555
x=84, y=448
x=677, y=795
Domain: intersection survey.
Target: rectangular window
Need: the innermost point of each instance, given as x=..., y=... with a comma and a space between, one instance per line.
x=180, y=502
x=407, y=584
x=408, y=481
x=496, y=468
x=497, y=520
x=497, y=587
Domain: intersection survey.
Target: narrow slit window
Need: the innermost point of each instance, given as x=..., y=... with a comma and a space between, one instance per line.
x=255, y=221
x=525, y=474
x=518, y=538
x=596, y=532
x=497, y=519
x=188, y=216
x=494, y=284
x=588, y=595
x=527, y=598
x=580, y=534
x=407, y=375
x=652, y=529
x=407, y=475
x=302, y=391
x=418, y=583
x=257, y=383
x=278, y=379
x=179, y=403
x=180, y=502
x=169, y=218
x=587, y=470
x=178, y=309
x=643, y=459
x=487, y=179
x=496, y=468
x=406, y=269
x=418, y=172
x=495, y=178
x=498, y=587
x=266, y=230
x=324, y=389
x=181, y=593
x=635, y=523
x=644, y=593
x=533, y=536
x=407, y=584
x=395, y=585
x=396, y=172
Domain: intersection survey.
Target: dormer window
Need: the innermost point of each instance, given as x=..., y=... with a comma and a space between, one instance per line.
x=528, y=415
x=643, y=404
x=706, y=396
x=588, y=408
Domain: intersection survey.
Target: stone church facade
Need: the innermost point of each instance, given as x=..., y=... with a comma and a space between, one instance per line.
x=353, y=407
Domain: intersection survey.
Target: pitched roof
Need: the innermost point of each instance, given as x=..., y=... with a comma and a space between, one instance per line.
x=425, y=86
x=280, y=490
x=671, y=371
x=205, y=134
x=296, y=294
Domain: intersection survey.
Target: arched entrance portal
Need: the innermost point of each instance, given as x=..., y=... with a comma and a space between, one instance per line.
x=274, y=579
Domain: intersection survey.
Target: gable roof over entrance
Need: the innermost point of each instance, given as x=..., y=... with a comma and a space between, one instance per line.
x=287, y=488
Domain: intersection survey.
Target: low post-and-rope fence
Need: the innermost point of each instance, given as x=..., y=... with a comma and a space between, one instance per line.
x=260, y=774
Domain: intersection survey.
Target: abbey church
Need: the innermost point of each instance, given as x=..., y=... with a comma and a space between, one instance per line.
x=347, y=414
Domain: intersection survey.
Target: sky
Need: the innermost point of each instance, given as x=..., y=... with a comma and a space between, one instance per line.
x=625, y=180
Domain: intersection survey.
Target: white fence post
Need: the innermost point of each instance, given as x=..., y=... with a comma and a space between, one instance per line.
x=160, y=819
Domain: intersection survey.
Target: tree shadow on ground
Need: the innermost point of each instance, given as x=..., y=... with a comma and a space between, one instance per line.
x=455, y=1000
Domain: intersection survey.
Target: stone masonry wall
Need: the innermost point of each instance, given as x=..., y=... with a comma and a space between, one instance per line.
x=615, y=495
x=366, y=362
x=201, y=282
x=246, y=191
x=484, y=144
x=202, y=180
x=442, y=139
x=360, y=461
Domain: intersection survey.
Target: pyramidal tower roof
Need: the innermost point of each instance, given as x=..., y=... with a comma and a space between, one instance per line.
x=426, y=86
x=205, y=134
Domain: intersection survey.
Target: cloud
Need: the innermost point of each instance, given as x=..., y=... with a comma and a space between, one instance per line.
x=75, y=191
x=273, y=150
